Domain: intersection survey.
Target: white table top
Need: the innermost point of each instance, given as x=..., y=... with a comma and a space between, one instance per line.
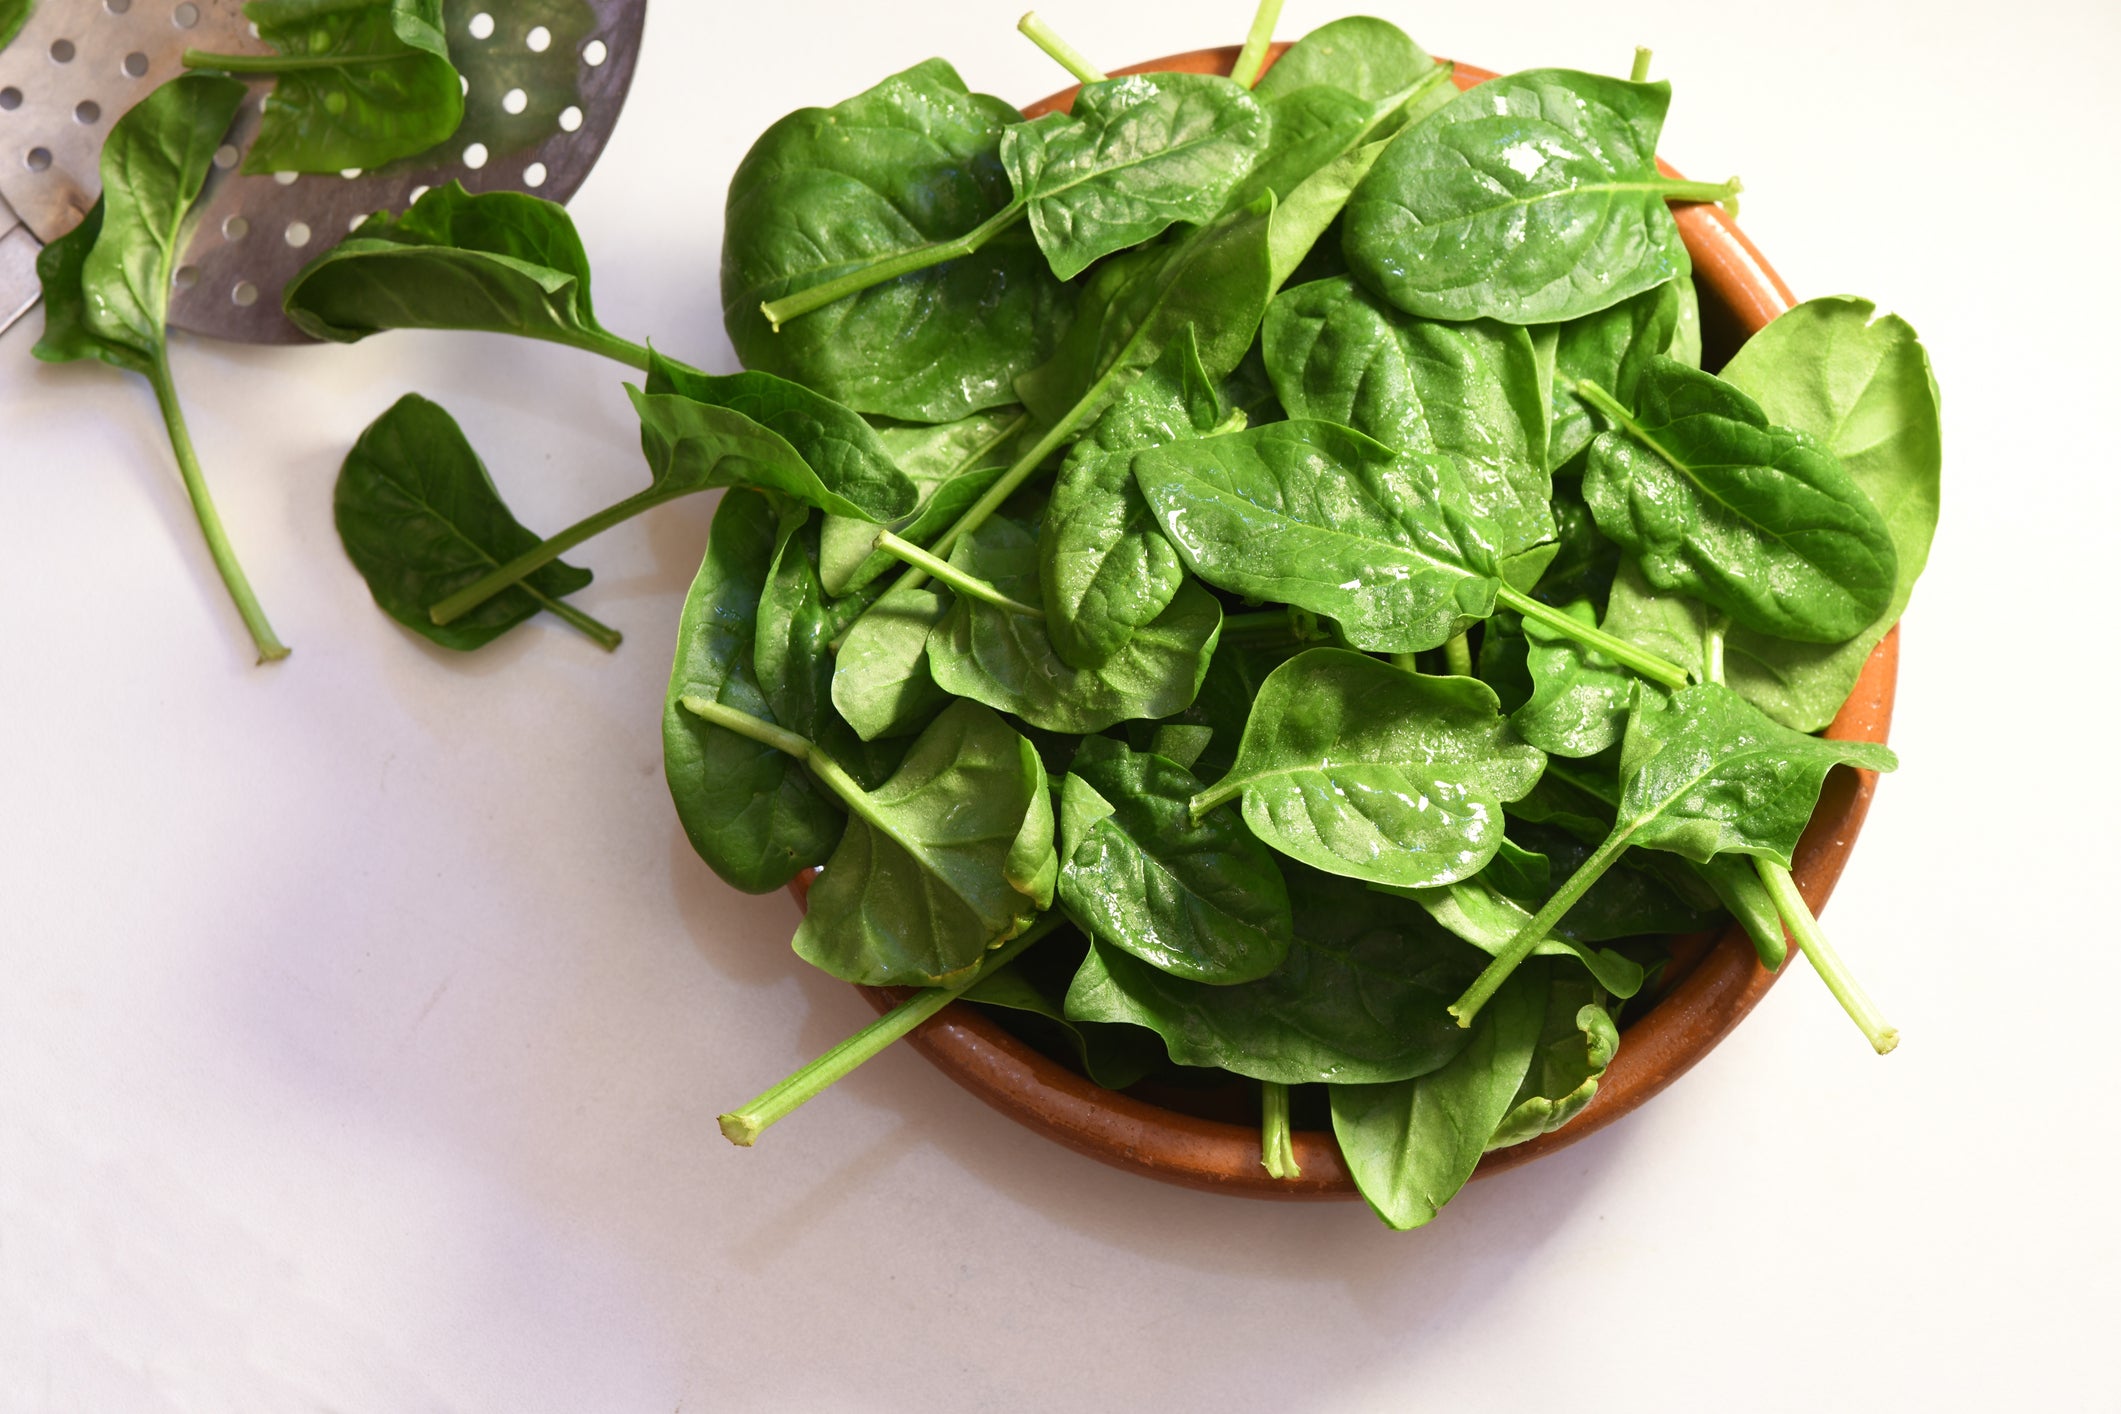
x=364, y=1018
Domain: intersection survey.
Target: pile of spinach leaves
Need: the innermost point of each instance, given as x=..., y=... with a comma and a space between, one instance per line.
x=1249, y=575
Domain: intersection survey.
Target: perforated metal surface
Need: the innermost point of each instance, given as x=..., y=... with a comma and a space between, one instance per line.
x=544, y=81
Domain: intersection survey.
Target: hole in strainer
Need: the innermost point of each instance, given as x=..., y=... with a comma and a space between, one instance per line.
x=117, y=7
x=87, y=111
x=186, y=277
x=184, y=17
x=135, y=65
x=298, y=234
x=353, y=222
x=235, y=228
x=10, y=99
x=515, y=100
x=415, y=194
x=37, y=159
x=285, y=179
x=62, y=51
x=475, y=156
x=481, y=26
x=570, y=118
x=534, y=175
x=244, y=295
x=594, y=53
x=349, y=172
x=538, y=40
x=225, y=156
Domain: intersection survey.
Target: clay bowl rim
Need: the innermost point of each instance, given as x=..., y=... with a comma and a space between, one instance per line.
x=1697, y=1011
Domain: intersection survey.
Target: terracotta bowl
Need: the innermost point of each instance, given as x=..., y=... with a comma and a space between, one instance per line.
x=1713, y=983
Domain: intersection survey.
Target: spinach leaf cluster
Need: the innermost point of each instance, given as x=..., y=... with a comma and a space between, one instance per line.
x=1250, y=578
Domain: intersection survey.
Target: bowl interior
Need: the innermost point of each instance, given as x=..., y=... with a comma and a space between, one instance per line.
x=1189, y=1137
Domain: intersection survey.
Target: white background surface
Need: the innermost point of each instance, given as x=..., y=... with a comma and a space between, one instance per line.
x=363, y=1019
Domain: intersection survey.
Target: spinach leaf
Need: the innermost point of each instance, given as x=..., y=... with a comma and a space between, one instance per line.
x=1203, y=901
x=1410, y=1146
x=1133, y=157
x=1531, y=198
x=1347, y=82
x=1610, y=348
x=420, y=517
x=949, y=857
x=1319, y=516
x=106, y=284
x=914, y=160
x=1008, y=661
x=13, y=15
x=1359, y=998
x=1367, y=58
x=1580, y=697
x=1239, y=665
x=1716, y=502
x=1576, y=1044
x=750, y=810
x=1363, y=769
x=361, y=82
x=880, y=679
x=500, y=262
x=950, y=465
x=1488, y=917
x=1472, y=390
x=1035, y=987
x=1861, y=385
x=1584, y=561
x=1104, y=567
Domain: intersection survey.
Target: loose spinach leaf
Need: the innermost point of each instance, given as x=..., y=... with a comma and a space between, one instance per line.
x=420, y=518
x=1862, y=385
x=1531, y=198
x=1319, y=516
x=1201, y=901
x=1360, y=768
x=950, y=465
x=1104, y=567
x=1473, y=390
x=1610, y=348
x=949, y=857
x=1576, y=1044
x=1359, y=999
x=880, y=679
x=750, y=810
x=106, y=285
x=1755, y=519
x=914, y=160
x=1134, y=156
x=1410, y=1146
x=361, y=82
x=1007, y=660
x=500, y=262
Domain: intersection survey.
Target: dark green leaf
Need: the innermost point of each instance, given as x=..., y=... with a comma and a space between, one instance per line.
x=67, y=335
x=751, y=811
x=950, y=464
x=1202, y=901
x=949, y=857
x=1755, y=519
x=1410, y=1146
x=1531, y=198
x=1134, y=156
x=825, y=190
x=1359, y=768
x=1361, y=997
x=1610, y=348
x=1580, y=698
x=1488, y=917
x=880, y=679
x=1008, y=661
x=1035, y=987
x=420, y=519
x=1322, y=517
x=360, y=84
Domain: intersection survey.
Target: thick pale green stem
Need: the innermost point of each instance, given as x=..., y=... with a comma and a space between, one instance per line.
x=545, y=552
x=951, y=575
x=270, y=649
x=1618, y=649
x=1533, y=933
x=1277, y=1147
x=1406, y=661
x=1641, y=72
x=1253, y=57
x=744, y=1124
x=1811, y=941
x=601, y=633
x=780, y=311
x=1059, y=50
x=1458, y=656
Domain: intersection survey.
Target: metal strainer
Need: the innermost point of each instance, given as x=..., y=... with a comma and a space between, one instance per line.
x=544, y=80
